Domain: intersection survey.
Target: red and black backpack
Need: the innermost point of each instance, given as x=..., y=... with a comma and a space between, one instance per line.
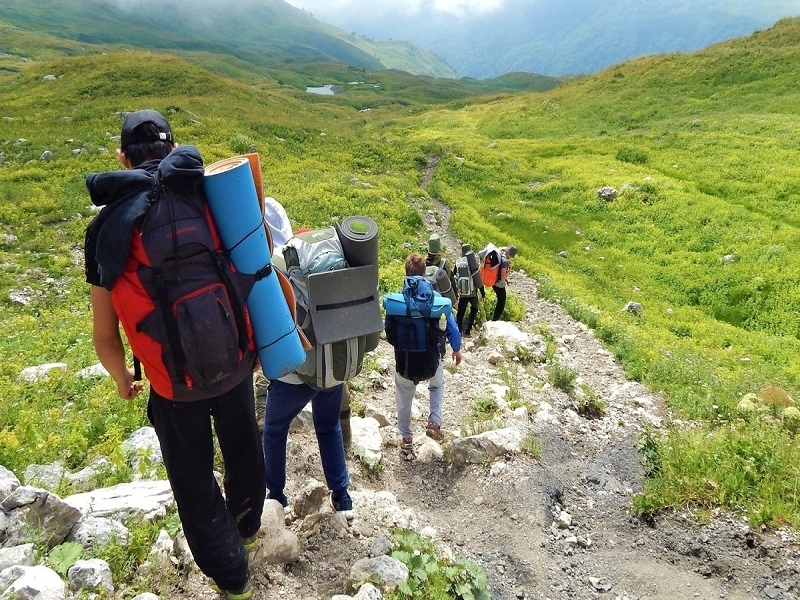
x=180, y=300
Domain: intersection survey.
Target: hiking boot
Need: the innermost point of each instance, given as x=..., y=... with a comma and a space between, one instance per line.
x=434, y=432
x=250, y=543
x=407, y=446
x=287, y=510
x=343, y=505
x=244, y=594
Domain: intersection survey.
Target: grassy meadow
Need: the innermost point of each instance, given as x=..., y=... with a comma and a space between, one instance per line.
x=703, y=150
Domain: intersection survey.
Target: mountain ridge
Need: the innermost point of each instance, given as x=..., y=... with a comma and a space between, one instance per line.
x=261, y=32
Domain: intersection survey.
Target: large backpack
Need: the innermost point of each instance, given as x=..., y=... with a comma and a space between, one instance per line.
x=413, y=327
x=179, y=293
x=440, y=280
x=465, y=282
x=489, y=265
x=335, y=306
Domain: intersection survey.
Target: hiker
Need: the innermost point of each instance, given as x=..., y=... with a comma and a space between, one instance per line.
x=438, y=271
x=404, y=388
x=286, y=397
x=499, y=287
x=435, y=255
x=281, y=230
x=220, y=531
x=467, y=297
x=321, y=379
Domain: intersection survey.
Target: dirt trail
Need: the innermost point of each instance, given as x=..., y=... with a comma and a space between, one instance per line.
x=556, y=527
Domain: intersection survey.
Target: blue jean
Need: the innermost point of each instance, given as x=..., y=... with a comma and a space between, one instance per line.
x=284, y=402
x=404, y=395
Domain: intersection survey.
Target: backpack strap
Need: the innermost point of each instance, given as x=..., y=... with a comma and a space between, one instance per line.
x=174, y=338
x=237, y=302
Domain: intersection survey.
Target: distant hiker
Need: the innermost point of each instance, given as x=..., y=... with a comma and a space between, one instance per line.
x=495, y=267
x=437, y=269
x=467, y=291
x=435, y=255
x=419, y=346
x=137, y=260
x=506, y=254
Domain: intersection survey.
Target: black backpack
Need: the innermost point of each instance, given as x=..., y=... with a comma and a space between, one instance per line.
x=417, y=337
x=179, y=299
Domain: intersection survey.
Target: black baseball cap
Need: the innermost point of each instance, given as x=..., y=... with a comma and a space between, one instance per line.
x=133, y=120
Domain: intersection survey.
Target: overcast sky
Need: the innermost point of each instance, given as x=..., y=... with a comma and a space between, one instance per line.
x=327, y=10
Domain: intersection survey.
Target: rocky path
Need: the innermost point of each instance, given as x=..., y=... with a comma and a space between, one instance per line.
x=559, y=526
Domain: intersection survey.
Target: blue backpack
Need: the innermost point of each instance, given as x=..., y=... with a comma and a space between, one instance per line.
x=413, y=327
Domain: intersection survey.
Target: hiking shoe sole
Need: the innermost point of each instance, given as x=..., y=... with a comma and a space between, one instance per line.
x=343, y=507
x=434, y=432
x=251, y=543
x=245, y=594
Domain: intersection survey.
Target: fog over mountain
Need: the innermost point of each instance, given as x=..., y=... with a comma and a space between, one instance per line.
x=486, y=38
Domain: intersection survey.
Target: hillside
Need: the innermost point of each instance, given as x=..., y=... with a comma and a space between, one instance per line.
x=654, y=202
x=261, y=32
x=555, y=37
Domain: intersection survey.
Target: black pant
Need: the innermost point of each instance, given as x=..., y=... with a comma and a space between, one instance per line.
x=463, y=302
x=214, y=526
x=501, y=302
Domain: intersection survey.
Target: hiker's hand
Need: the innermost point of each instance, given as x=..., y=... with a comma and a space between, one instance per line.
x=128, y=388
x=457, y=357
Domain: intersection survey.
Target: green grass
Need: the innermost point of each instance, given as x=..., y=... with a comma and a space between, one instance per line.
x=702, y=148
x=703, y=151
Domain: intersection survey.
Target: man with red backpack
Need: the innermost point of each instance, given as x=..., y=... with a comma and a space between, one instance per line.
x=154, y=263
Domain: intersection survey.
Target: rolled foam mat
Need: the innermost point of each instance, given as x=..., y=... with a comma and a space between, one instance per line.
x=472, y=261
x=233, y=200
x=359, y=238
x=444, y=285
x=395, y=305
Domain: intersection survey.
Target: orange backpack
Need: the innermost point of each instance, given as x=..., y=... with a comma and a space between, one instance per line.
x=490, y=265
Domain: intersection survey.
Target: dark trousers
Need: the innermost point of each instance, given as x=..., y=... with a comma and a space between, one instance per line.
x=501, y=302
x=463, y=303
x=214, y=526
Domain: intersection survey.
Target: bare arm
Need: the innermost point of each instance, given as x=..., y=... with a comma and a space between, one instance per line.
x=108, y=343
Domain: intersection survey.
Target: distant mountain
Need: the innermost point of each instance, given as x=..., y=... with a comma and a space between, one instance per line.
x=258, y=31
x=557, y=37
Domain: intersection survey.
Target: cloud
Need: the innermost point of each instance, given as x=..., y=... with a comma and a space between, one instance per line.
x=324, y=9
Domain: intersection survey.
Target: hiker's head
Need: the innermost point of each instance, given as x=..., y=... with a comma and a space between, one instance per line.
x=145, y=135
x=435, y=244
x=415, y=264
x=511, y=251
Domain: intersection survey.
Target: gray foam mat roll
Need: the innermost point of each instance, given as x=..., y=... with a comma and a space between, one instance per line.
x=359, y=237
